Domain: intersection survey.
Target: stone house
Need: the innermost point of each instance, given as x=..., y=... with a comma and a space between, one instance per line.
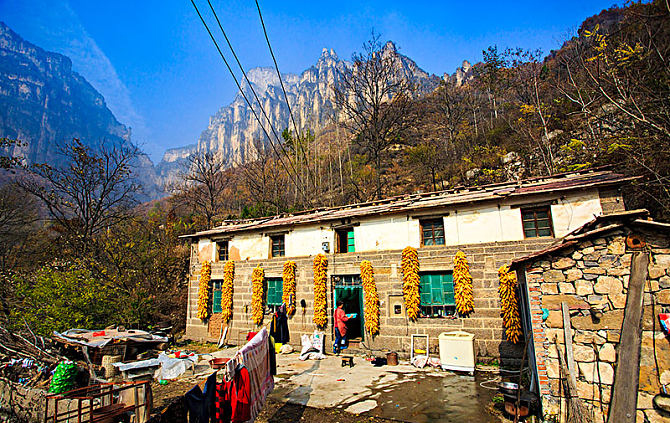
x=492, y=224
x=589, y=270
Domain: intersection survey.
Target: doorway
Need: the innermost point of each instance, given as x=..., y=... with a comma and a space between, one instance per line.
x=349, y=290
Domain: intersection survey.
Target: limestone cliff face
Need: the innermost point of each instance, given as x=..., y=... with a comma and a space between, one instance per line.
x=44, y=103
x=233, y=130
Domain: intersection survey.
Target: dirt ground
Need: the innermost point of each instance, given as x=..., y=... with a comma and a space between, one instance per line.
x=324, y=391
x=279, y=412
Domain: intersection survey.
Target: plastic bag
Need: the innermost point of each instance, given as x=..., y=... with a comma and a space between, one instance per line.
x=64, y=377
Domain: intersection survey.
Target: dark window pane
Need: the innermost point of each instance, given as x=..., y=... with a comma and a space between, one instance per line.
x=536, y=222
x=277, y=246
x=529, y=225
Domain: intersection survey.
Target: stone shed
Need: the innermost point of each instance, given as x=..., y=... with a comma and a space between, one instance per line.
x=589, y=270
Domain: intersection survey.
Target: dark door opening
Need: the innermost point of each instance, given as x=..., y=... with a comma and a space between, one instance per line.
x=348, y=289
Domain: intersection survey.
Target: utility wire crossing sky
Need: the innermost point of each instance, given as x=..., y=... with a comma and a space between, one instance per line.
x=160, y=74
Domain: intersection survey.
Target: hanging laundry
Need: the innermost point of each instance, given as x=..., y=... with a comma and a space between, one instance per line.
x=279, y=328
x=255, y=356
x=232, y=398
x=199, y=403
x=273, y=356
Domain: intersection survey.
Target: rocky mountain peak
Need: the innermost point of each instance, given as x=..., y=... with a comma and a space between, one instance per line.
x=389, y=47
x=233, y=130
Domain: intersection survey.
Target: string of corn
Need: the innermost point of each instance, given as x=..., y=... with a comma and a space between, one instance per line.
x=320, y=318
x=203, y=290
x=371, y=298
x=257, y=295
x=465, y=303
x=509, y=304
x=410, y=281
x=227, y=291
x=288, y=281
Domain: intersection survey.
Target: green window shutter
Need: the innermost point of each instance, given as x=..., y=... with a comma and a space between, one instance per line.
x=448, y=287
x=350, y=241
x=436, y=289
x=216, y=297
x=425, y=297
x=275, y=291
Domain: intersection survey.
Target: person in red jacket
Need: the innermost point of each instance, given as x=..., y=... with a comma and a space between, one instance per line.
x=340, y=327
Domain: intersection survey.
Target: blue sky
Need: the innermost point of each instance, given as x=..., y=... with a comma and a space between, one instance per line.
x=160, y=74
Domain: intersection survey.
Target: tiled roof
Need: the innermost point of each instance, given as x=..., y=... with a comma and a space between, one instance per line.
x=427, y=201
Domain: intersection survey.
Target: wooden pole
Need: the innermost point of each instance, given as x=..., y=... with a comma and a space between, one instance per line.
x=623, y=407
x=567, y=334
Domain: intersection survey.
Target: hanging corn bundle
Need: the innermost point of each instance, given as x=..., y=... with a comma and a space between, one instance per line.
x=257, y=295
x=203, y=290
x=227, y=291
x=320, y=265
x=371, y=298
x=288, y=280
x=509, y=304
x=410, y=281
x=465, y=304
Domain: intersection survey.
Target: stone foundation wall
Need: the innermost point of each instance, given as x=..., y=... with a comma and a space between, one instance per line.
x=395, y=330
x=594, y=276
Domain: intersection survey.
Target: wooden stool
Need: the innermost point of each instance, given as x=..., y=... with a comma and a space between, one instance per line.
x=348, y=360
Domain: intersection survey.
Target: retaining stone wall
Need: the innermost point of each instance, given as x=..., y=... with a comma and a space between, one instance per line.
x=595, y=276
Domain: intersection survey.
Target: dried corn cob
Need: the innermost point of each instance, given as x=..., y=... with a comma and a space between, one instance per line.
x=465, y=303
x=288, y=280
x=320, y=265
x=410, y=279
x=203, y=291
x=509, y=304
x=257, y=295
x=227, y=291
x=371, y=298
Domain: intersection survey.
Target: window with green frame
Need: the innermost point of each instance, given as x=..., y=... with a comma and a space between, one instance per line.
x=216, y=296
x=436, y=291
x=274, y=292
x=345, y=241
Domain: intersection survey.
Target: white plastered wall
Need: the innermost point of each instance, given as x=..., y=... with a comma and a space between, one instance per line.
x=474, y=224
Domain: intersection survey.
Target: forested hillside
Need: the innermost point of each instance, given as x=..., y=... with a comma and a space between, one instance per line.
x=603, y=99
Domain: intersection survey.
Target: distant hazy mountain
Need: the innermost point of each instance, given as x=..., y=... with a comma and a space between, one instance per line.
x=233, y=129
x=44, y=103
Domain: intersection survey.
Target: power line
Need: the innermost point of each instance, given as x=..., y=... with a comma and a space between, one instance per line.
x=274, y=132
x=216, y=44
x=281, y=82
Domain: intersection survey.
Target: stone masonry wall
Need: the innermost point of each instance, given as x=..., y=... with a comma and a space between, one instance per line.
x=395, y=332
x=594, y=275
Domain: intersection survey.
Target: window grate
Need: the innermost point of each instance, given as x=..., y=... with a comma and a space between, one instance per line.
x=346, y=280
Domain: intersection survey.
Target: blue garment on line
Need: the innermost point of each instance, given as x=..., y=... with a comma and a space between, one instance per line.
x=200, y=403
